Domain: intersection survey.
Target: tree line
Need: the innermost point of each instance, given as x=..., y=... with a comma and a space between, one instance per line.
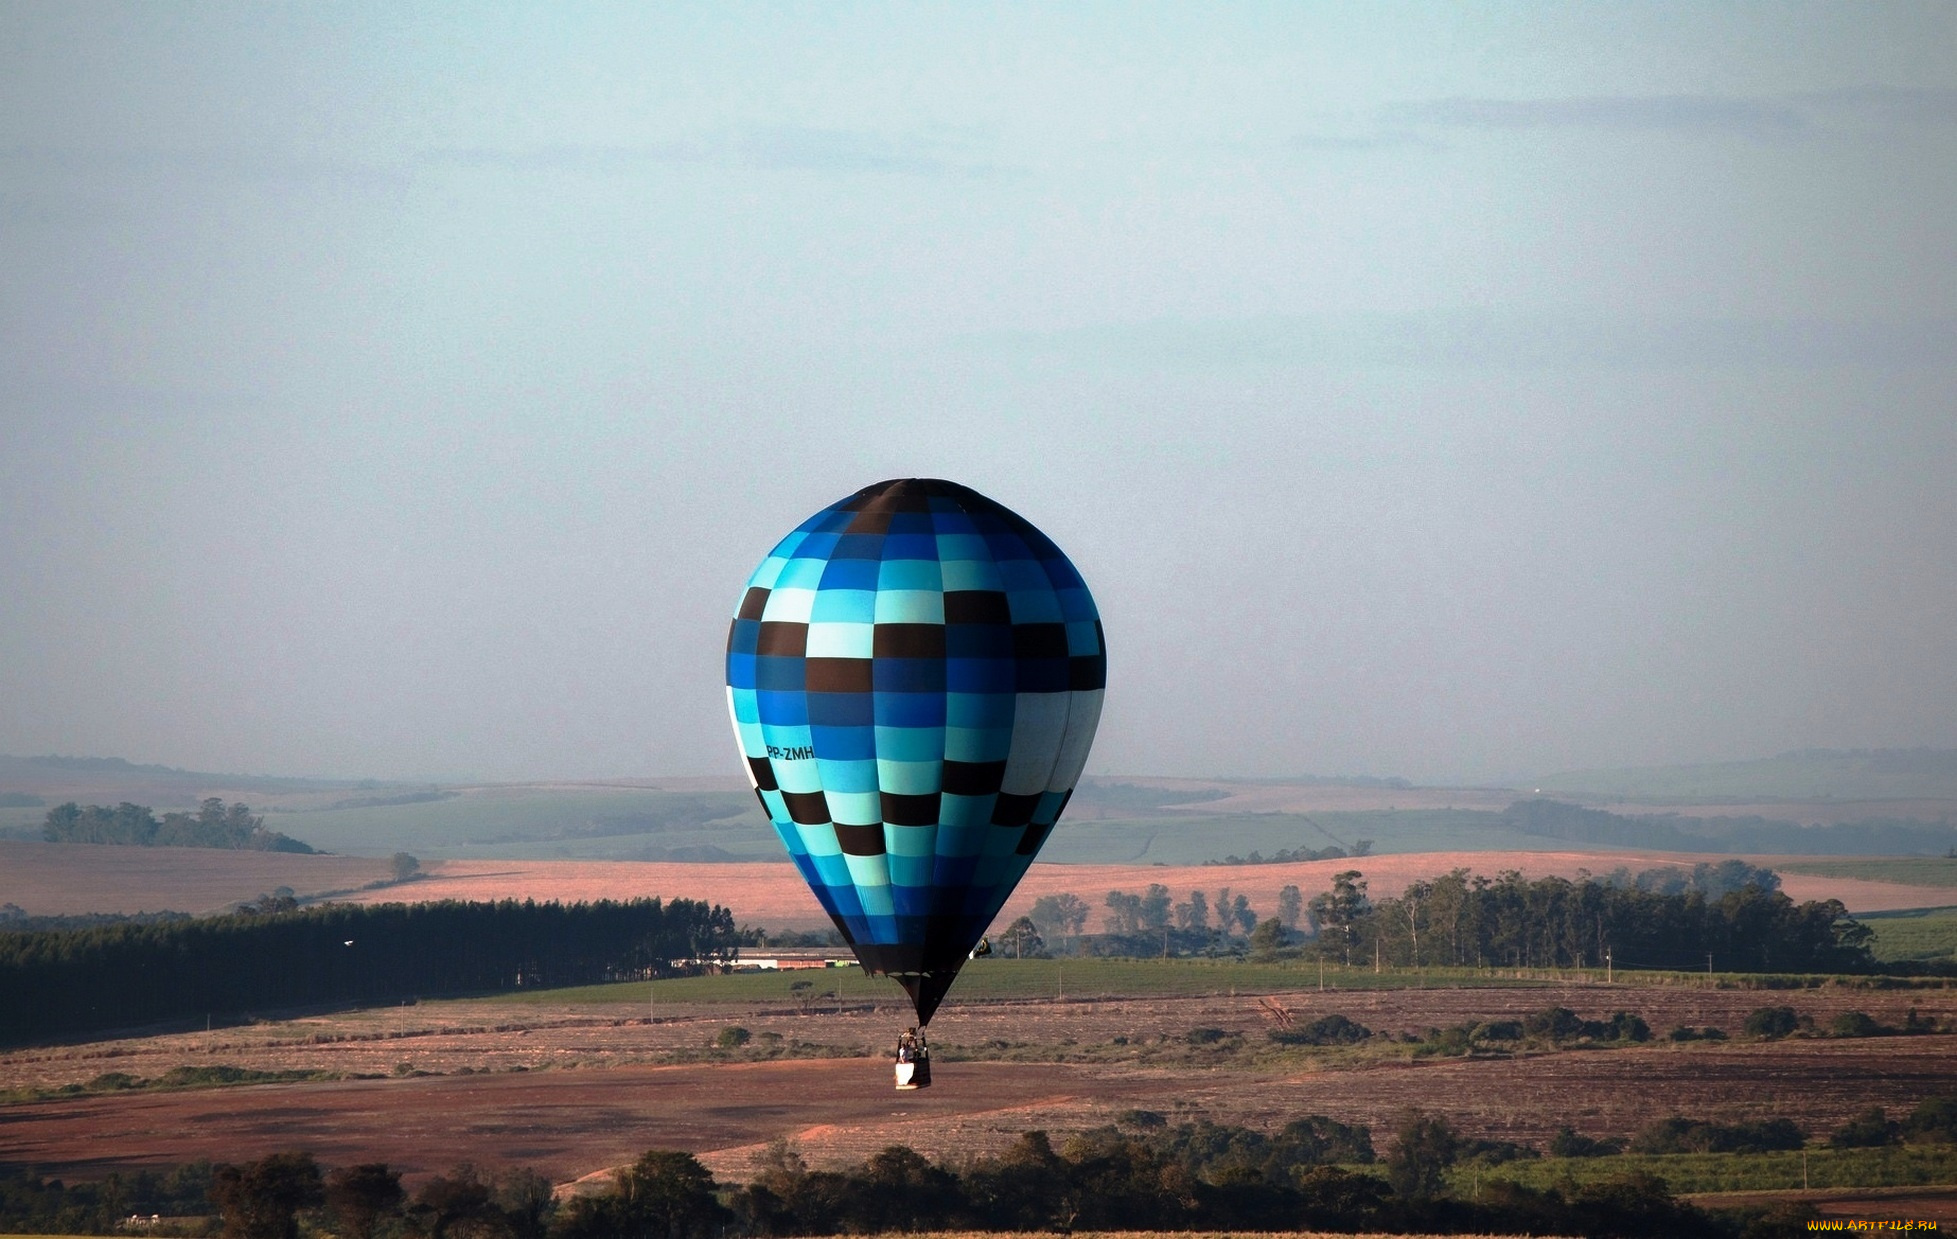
x=139, y=973
x=1668, y=918
x=214, y=825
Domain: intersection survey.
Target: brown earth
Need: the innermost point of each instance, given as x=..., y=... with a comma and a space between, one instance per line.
x=775, y=896
x=54, y=879
x=57, y=879
x=571, y=1090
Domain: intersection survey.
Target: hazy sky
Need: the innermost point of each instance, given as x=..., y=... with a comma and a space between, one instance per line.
x=1455, y=392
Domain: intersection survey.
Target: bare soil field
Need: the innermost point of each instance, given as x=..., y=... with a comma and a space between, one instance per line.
x=49, y=879
x=572, y=1089
x=57, y=879
x=774, y=895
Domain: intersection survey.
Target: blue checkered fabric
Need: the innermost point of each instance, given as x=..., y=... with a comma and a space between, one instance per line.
x=915, y=675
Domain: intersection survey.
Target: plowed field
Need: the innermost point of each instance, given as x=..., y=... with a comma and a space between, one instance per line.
x=572, y=1090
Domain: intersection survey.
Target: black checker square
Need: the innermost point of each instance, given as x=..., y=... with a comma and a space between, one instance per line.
x=806, y=808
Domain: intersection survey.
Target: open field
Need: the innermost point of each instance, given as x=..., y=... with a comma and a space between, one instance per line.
x=51, y=879
x=56, y=879
x=1924, y=933
x=1938, y=871
x=574, y=1086
x=773, y=895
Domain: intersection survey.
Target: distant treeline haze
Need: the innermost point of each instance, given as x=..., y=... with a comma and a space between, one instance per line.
x=214, y=825
x=132, y=974
x=1671, y=832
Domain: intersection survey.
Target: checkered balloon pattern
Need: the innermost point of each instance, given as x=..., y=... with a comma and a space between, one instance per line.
x=915, y=675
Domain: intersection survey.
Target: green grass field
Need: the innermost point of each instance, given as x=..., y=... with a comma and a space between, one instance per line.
x=1921, y=933
x=1906, y=870
x=1003, y=979
x=1736, y=1172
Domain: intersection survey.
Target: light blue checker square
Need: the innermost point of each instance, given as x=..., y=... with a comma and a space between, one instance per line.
x=801, y=574
x=910, y=574
x=911, y=872
x=852, y=639
x=909, y=778
x=789, y=604
x=746, y=709
x=820, y=843
x=846, y=778
x=845, y=606
x=910, y=744
x=853, y=808
x=961, y=574
x=769, y=572
x=910, y=841
x=910, y=606
x=966, y=546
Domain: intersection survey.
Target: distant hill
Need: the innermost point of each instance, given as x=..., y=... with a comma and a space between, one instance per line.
x=1810, y=774
x=52, y=779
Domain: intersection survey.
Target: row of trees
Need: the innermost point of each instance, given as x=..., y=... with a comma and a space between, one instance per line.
x=1463, y=919
x=1731, y=911
x=214, y=825
x=130, y=974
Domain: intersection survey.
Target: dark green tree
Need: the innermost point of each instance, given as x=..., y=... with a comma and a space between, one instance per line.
x=262, y=1199
x=1424, y=1146
x=359, y=1198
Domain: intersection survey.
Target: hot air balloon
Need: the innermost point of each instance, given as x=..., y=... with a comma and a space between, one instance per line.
x=915, y=675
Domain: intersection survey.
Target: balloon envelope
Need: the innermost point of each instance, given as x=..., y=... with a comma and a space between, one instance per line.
x=915, y=675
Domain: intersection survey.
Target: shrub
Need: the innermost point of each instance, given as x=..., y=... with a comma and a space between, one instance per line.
x=1856, y=1024
x=1623, y=1026
x=1772, y=1023
x=1568, y=1143
x=1708, y=1033
x=1870, y=1129
x=1327, y=1030
x=1934, y=1121
x=1204, y=1036
x=1554, y=1024
x=1683, y=1135
x=733, y=1038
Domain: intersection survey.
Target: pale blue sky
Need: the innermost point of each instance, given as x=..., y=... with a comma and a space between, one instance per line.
x=1451, y=391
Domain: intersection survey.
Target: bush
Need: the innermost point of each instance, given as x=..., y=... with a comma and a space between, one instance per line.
x=1856, y=1024
x=733, y=1038
x=1708, y=1033
x=1567, y=1143
x=1554, y=1024
x=1683, y=1135
x=1204, y=1036
x=1932, y=1122
x=1772, y=1023
x=1868, y=1130
x=1328, y=1030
